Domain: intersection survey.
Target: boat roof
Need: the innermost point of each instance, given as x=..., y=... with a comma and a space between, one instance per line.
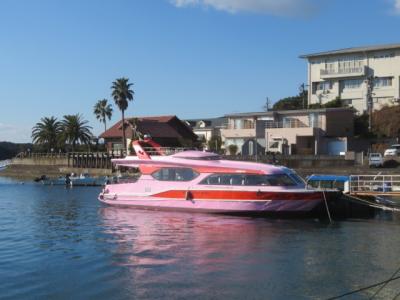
x=323, y=177
x=203, y=162
x=195, y=154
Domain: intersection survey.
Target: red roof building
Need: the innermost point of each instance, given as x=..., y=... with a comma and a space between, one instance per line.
x=168, y=131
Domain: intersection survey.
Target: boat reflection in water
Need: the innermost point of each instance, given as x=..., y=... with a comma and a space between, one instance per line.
x=159, y=238
x=176, y=253
x=181, y=255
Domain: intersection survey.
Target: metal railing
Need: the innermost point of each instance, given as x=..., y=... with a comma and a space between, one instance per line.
x=165, y=150
x=271, y=124
x=287, y=124
x=374, y=184
x=66, y=154
x=342, y=71
x=242, y=126
x=41, y=155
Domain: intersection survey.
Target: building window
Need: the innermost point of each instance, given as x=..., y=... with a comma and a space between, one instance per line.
x=352, y=83
x=384, y=56
x=250, y=180
x=117, y=146
x=175, y=174
x=251, y=148
x=348, y=65
x=383, y=82
x=321, y=86
x=347, y=102
x=243, y=124
x=313, y=120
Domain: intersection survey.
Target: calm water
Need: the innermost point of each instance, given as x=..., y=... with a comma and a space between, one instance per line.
x=62, y=243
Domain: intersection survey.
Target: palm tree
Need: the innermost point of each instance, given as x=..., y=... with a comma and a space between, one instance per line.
x=103, y=110
x=47, y=132
x=74, y=130
x=122, y=93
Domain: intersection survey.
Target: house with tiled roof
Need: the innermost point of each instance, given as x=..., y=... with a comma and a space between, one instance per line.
x=168, y=131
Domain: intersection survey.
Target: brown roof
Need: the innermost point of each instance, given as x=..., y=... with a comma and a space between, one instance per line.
x=157, y=126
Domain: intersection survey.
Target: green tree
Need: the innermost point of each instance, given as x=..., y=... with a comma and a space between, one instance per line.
x=75, y=130
x=103, y=111
x=292, y=103
x=361, y=126
x=232, y=149
x=337, y=102
x=122, y=94
x=215, y=143
x=47, y=132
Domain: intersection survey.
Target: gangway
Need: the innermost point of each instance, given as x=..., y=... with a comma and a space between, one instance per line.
x=373, y=185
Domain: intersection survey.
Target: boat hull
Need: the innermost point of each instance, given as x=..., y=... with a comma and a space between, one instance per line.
x=242, y=206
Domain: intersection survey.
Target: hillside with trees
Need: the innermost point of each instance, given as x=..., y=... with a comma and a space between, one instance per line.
x=9, y=150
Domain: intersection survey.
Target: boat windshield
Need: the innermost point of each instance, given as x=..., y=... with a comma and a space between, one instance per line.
x=250, y=180
x=216, y=157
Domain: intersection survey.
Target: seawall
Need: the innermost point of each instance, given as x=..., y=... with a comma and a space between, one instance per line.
x=32, y=171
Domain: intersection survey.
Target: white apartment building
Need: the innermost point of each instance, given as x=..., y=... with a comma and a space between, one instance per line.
x=343, y=73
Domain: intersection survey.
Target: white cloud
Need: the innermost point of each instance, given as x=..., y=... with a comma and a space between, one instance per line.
x=15, y=133
x=274, y=7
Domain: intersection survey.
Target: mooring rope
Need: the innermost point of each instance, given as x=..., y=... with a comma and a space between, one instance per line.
x=364, y=288
x=382, y=287
x=326, y=206
x=396, y=296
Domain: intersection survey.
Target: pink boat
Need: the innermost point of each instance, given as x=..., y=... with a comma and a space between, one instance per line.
x=202, y=181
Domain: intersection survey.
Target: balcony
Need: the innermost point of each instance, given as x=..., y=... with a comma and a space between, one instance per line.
x=230, y=132
x=343, y=72
x=286, y=124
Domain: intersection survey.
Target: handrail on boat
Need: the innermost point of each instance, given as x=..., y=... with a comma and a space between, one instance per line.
x=374, y=183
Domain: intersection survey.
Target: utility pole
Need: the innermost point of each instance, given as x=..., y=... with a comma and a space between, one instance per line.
x=370, y=88
x=302, y=90
x=266, y=106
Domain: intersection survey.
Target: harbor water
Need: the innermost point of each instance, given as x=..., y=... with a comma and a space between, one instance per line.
x=61, y=243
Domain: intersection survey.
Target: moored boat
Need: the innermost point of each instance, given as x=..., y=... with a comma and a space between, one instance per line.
x=73, y=180
x=4, y=164
x=202, y=181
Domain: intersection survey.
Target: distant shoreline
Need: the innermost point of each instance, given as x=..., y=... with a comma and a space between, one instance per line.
x=30, y=172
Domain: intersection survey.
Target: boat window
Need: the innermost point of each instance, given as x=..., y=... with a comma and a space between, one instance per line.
x=249, y=180
x=314, y=183
x=328, y=184
x=175, y=174
x=338, y=185
x=297, y=178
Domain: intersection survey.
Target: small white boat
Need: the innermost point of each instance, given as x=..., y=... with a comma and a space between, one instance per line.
x=73, y=180
x=4, y=164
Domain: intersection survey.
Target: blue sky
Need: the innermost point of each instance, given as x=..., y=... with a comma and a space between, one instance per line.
x=190, y=58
